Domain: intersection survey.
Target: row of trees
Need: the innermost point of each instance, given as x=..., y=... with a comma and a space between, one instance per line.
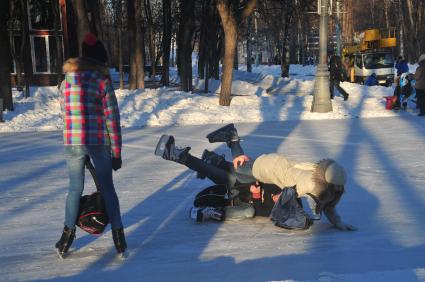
x=146, y=35
x=153, y=32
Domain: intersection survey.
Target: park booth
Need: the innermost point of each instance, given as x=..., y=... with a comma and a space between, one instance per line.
x=46, y=31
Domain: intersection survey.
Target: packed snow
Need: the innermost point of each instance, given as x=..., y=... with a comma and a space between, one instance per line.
x=381, y=150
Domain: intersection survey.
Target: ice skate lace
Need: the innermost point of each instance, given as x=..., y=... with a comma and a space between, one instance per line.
x=178, y=151
x=211, y=213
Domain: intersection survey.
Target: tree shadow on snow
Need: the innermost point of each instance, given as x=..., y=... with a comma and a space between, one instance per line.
x=165, y=245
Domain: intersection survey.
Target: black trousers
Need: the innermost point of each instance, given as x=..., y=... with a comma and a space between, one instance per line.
x=420, y=95
x=226, y=173
x=335, y=84
x=239, y=179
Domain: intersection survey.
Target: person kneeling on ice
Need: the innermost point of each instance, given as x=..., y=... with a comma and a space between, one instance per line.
x=319, y=185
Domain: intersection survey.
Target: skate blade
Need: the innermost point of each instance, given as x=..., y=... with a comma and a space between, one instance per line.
x=123, y=256
x=61, y=255
x=160, y=147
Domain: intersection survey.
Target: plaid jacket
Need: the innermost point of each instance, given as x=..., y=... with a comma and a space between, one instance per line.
x=91, y=114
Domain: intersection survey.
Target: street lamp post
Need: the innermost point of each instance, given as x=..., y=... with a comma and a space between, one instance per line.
x=321, y=99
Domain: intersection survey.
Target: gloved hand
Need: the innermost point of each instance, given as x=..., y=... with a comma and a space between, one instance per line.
x=345, y=227
x=116, y=163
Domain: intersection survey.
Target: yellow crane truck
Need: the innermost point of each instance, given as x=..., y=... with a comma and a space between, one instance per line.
x=373, y=54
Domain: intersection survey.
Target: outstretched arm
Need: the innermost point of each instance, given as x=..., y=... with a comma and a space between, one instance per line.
x=335, y=219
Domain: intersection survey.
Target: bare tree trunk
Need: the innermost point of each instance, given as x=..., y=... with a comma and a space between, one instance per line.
x=25, y=48
x=411, y=44
x=131, y=22
x=386, y=8
x=230, y=22
x=205, y=31
x=151, y=38
x=56, y=9
x=18, y=52
x=284, y=64
x=140, y=46
x=186, y=30
x=137, y=73
x=118, y=10
x=209, y=43
x=166, y=41
x=5, y=61
x=120, y=61
x=216, y=57
x=140, y=77
x=421, y=25
x=216, y=43
x=83, y=24
x=229, y=26
x=96, y=23
x=248, y=45
x=347, y=26
x=208, y=62
x=173, y=50
x=236, y=60
x=302, y=31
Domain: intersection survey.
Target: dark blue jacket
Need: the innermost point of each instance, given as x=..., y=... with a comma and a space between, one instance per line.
x=401, y=67
x=371, y=81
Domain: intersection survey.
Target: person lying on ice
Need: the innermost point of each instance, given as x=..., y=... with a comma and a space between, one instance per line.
x=245, y=200
x=320, y=184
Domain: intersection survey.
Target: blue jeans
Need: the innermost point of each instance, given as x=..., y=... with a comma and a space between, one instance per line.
x=101, y=157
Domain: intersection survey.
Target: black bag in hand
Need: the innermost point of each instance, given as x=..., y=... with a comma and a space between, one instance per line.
x=92, y=216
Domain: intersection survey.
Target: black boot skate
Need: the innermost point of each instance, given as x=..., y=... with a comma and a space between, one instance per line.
x=119, y=240
x=68, y=236
x=346, y=97
x=226, y=134
x=211, y=158
x=167, y=149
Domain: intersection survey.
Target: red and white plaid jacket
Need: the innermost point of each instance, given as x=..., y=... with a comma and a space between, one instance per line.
x=91, y=114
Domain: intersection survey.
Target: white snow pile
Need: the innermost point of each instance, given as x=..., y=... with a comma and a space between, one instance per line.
x=258, y=96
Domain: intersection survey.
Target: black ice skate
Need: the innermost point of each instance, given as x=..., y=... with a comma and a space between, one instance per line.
x=119, y=241
x=226, y=134
x=210, y=158
x=167, y=149
x=62, y=246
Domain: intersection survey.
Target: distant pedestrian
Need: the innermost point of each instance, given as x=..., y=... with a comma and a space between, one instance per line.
x=401, y=66
x=420, y=85
x=346, y=68
x=371, y=80
x=336, y=76
x=91, y=127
